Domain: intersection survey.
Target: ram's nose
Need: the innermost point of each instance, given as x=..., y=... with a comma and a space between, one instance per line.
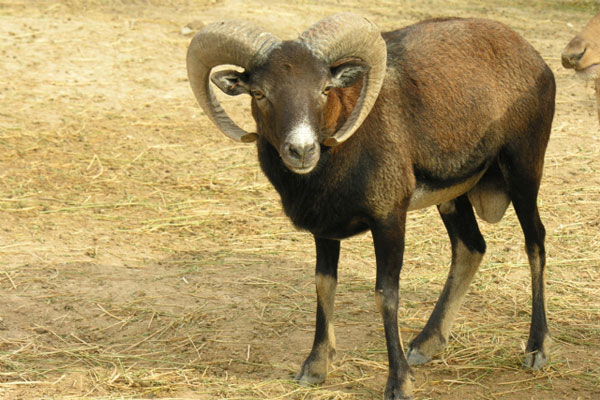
x=300, y=157
x=300, y=151
x=570, y=59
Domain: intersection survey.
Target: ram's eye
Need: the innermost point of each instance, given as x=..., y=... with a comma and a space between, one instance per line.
x=326, y=90
x=257, y=94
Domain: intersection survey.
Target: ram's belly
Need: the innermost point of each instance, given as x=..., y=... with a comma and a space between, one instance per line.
x=341, y=230
x=425, y=195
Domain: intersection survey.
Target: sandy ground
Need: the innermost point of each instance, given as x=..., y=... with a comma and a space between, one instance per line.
x=143, y=254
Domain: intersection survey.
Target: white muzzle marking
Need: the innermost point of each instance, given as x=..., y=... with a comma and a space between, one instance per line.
x=302, y=135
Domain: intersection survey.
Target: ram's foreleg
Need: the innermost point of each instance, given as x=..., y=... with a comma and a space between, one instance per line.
x=314, y=369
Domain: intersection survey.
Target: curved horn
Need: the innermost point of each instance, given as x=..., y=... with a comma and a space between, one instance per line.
x=349, y=35
x=232, y=42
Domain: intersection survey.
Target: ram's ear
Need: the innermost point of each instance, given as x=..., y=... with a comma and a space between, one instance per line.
x=348, y=73
x=231, y=82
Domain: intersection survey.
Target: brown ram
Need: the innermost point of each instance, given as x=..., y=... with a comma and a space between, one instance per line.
x=355, y=128
x=583, y=55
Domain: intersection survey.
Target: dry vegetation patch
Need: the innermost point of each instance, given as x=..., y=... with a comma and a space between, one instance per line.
x=144, y=255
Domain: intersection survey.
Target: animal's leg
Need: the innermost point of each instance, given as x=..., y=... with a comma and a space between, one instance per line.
x=388, y=239
x=523, y=190
x=314, y=369
x=468, y=248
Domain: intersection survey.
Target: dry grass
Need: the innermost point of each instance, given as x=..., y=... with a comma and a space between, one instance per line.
x=143, y=255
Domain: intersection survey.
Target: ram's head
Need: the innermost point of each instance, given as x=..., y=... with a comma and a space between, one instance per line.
x=312, y=91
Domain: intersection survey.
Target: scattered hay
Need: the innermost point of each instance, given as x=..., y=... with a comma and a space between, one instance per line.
x=142, y=255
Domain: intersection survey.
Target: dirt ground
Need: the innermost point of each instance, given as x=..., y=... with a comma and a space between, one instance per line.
x=144, y=255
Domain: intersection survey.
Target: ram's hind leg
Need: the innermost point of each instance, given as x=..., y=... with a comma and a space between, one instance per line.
x=314, y=369
x=468, y=248
x=523, y=182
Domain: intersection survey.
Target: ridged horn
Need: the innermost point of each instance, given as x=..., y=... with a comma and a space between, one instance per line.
x=350, y=36
x=231, y=42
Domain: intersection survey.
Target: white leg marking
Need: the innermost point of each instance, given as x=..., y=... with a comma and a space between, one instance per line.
x=461, y=274
x=326, y=294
